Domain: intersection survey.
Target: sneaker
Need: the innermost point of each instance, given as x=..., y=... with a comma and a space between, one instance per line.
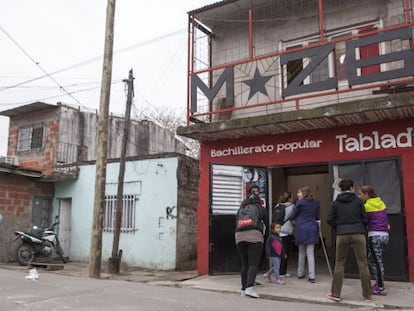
x=366, y=299
x=311, y=280
x=280, y=281
x=379, y=292
x=334, y=298
x=287, y=275
x=250, y=292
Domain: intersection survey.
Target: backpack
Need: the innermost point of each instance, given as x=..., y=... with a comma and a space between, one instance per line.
x=279, y=213
x=248, y=218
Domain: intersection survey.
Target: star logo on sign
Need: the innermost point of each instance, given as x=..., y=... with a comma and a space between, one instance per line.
x=257, y=84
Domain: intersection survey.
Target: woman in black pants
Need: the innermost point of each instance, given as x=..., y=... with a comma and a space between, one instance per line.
x=250, y=240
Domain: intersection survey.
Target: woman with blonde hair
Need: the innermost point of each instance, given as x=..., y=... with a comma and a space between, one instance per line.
x=306, y=216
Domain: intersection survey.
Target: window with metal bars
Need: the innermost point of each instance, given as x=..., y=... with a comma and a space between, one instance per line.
x=30, y=137
x=128, y=213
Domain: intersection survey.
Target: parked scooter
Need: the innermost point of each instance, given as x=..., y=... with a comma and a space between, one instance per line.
x=37, y=244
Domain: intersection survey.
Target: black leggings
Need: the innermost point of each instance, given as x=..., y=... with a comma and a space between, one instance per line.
x=288, y=246
x=250, y=255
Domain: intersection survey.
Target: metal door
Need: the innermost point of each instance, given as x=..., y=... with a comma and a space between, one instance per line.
x=65, y=225
x=385, y=177
x=228, y=188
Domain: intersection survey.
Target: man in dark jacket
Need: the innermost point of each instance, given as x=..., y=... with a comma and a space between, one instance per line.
x=349, y=220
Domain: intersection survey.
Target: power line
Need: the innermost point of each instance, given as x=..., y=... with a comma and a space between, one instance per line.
x=98, y=58
x=38, y=65
x=57, y=96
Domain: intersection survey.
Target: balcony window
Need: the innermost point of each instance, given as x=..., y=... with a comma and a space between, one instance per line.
x=31, y=137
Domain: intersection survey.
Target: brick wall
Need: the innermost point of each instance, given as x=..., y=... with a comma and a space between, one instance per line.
x=39, y=159
x=16, y=196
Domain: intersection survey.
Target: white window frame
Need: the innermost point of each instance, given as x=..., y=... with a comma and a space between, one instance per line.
x=129, y=206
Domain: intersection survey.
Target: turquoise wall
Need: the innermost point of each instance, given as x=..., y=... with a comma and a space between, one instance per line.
x=153, y=244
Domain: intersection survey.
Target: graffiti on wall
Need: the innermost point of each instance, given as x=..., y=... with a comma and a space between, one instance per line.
x=170, y=212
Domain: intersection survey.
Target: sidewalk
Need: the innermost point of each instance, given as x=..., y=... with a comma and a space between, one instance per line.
x=400, y=294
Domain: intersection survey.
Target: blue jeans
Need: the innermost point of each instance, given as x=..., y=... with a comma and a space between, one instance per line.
x=275, y=268
x=377, y=244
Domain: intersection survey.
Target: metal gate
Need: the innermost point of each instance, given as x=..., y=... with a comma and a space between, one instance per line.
x=228, y=188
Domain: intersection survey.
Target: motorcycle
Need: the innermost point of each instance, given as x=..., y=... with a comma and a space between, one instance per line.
x=37, y=244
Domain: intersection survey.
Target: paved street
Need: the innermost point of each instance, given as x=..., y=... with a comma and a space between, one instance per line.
x=53, y=291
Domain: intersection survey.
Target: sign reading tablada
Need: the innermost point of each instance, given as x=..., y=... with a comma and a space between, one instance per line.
x=375, y=140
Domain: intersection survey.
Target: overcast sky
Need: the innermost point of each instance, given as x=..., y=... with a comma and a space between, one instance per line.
x=65, y=39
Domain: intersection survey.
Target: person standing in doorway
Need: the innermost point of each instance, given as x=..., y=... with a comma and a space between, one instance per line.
x=306, y=216
x=348, y=219
x=286, y=232
x=251, y=220
x=378, y=236
x=275, y=251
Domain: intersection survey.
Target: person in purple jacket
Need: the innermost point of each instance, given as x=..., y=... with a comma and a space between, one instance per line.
x=306, y=216
x=378, y=236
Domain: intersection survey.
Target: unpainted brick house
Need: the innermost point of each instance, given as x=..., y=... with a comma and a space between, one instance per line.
x=55, y=142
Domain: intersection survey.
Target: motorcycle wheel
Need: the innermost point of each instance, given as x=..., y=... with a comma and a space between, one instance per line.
x=25, y=254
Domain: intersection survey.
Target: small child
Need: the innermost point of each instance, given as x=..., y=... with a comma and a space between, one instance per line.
x=275, y=251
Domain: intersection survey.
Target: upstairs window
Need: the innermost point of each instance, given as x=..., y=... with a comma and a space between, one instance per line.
x=31, y=137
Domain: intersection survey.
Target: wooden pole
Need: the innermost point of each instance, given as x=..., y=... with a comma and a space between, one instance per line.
x=102, y=146
x=115, y=260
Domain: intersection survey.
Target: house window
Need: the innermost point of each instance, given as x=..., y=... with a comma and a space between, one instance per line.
x=128, y=213
x=30, y=137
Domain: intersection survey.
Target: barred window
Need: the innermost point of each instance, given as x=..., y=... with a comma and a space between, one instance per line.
x=128, y=213
x=30, y=137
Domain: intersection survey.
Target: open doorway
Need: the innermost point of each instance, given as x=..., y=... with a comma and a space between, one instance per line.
x=317, y=177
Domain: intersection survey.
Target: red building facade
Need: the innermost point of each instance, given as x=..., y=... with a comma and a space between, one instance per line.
x=294, y=93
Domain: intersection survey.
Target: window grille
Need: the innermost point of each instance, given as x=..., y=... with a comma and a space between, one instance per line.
x=30, y=138
x=128, y=213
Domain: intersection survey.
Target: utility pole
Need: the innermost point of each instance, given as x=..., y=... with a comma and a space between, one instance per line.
x=102, y=146
x=115, y=260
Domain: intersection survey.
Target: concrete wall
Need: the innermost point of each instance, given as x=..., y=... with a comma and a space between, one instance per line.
x=78, y=132
x=188, y=176
x=154, y=243
x=145, y=137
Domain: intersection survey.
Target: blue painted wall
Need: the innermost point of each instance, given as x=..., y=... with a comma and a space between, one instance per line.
x=153, y=244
